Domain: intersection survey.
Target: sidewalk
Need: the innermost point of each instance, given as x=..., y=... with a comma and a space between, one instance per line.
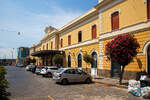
x=111, y=82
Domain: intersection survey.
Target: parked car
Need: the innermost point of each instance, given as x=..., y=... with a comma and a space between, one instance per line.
x=19, y=65
x=67, y=75
x=33, y=68
x=28, y=67
x=48, y=71
x=38, y=69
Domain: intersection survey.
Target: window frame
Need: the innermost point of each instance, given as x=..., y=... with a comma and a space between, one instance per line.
x=115, y=20
x=79, y=36
x=51, y=44
x=69, y=39
x=148, y=9
x=61, y=42
x=94, y=33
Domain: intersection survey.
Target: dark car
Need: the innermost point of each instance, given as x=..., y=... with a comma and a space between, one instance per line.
x=33, y=68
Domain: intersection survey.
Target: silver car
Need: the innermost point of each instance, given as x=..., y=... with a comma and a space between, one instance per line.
x=48, y=71
x=67, y=75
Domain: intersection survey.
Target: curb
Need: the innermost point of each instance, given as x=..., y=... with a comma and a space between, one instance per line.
x=111, y=85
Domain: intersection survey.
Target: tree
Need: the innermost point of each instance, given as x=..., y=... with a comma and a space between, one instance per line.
x=4, y=61
x=122, y=49
x=33, y=60
x=88, y=59
x=3, y=84
x=28, y=61
x=58, y=59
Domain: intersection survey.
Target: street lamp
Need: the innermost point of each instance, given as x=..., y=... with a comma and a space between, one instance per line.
x=12, y=55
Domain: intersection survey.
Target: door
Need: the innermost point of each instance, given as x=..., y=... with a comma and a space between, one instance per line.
x=115, y=69
x=94, y=64
x=80, y=61
x=148, y=59
x=69, y=61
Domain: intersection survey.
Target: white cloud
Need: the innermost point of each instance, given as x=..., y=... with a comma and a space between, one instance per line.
x=8, y=53
x=32, y=27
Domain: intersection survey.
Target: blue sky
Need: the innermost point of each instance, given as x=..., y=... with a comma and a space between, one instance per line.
x=30, y=17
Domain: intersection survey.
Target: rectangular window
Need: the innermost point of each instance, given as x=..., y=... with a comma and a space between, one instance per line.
x=47, y=46
x=115, y=21
x=51, y=45
x=80, y=36
x=69, y=40
x=148, y=9
x=94, y=33
x=61, y=43
x=43, y=47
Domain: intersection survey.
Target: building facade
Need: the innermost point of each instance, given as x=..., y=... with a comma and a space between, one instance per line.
x=23, y=52
x=90, y=32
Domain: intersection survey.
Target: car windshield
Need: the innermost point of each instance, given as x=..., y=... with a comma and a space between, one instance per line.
x=59, y=70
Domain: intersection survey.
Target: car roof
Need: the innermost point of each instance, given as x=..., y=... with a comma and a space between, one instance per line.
x=70, y=68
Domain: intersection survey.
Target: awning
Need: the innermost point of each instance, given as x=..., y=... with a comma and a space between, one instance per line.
x=46, y=52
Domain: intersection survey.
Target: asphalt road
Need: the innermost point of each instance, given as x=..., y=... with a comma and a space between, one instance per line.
x=28, y=86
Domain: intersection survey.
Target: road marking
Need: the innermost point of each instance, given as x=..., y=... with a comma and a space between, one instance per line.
x=51, y=98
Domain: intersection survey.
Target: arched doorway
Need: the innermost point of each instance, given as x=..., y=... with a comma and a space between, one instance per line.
x=69, y=61
x=148, y=59
x=80, y=61
x=94, y=64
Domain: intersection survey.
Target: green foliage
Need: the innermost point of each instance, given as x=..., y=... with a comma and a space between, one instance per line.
x=33, y=60
x=88, y=58
x=3, y=84
x=28, y=61
x=58, y=59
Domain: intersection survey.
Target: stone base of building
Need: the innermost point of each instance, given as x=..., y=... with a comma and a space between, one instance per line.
x=107, y=73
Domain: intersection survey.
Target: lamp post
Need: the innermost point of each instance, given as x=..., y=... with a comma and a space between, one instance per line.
x=12, y=56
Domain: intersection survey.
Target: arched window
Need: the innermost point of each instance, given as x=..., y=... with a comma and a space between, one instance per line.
x=79, y=60
x=69, y=61
x=94, y=64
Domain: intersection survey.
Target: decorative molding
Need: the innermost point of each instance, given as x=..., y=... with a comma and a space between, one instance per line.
x=145, y=47
x=101, y=22
x=81, y=24
x=80, y=44
x=116, y=10
x=115, y=2
x=101, y=53
x=145, y=1
x=132, y=28
x=94, y=50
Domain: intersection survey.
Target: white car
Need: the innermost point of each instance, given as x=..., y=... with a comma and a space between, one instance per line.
x=48, y=71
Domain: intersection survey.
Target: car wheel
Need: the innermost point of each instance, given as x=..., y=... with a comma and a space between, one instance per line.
x=64, y=82
x=49, y=74
x=88, y=81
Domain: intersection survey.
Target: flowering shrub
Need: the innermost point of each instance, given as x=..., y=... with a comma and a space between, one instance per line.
x=122, y=49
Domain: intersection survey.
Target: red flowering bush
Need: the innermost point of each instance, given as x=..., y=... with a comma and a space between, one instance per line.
x=122, y=49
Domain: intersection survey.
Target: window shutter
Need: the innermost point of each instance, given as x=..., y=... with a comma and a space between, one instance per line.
x=69, y=40
x=148, y=9
x=115, y=20
x=94, y=32
x=79, y=36
x=51, y=45
x=61, y=43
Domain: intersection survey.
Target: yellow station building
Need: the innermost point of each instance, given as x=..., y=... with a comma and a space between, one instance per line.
x=90, y=32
